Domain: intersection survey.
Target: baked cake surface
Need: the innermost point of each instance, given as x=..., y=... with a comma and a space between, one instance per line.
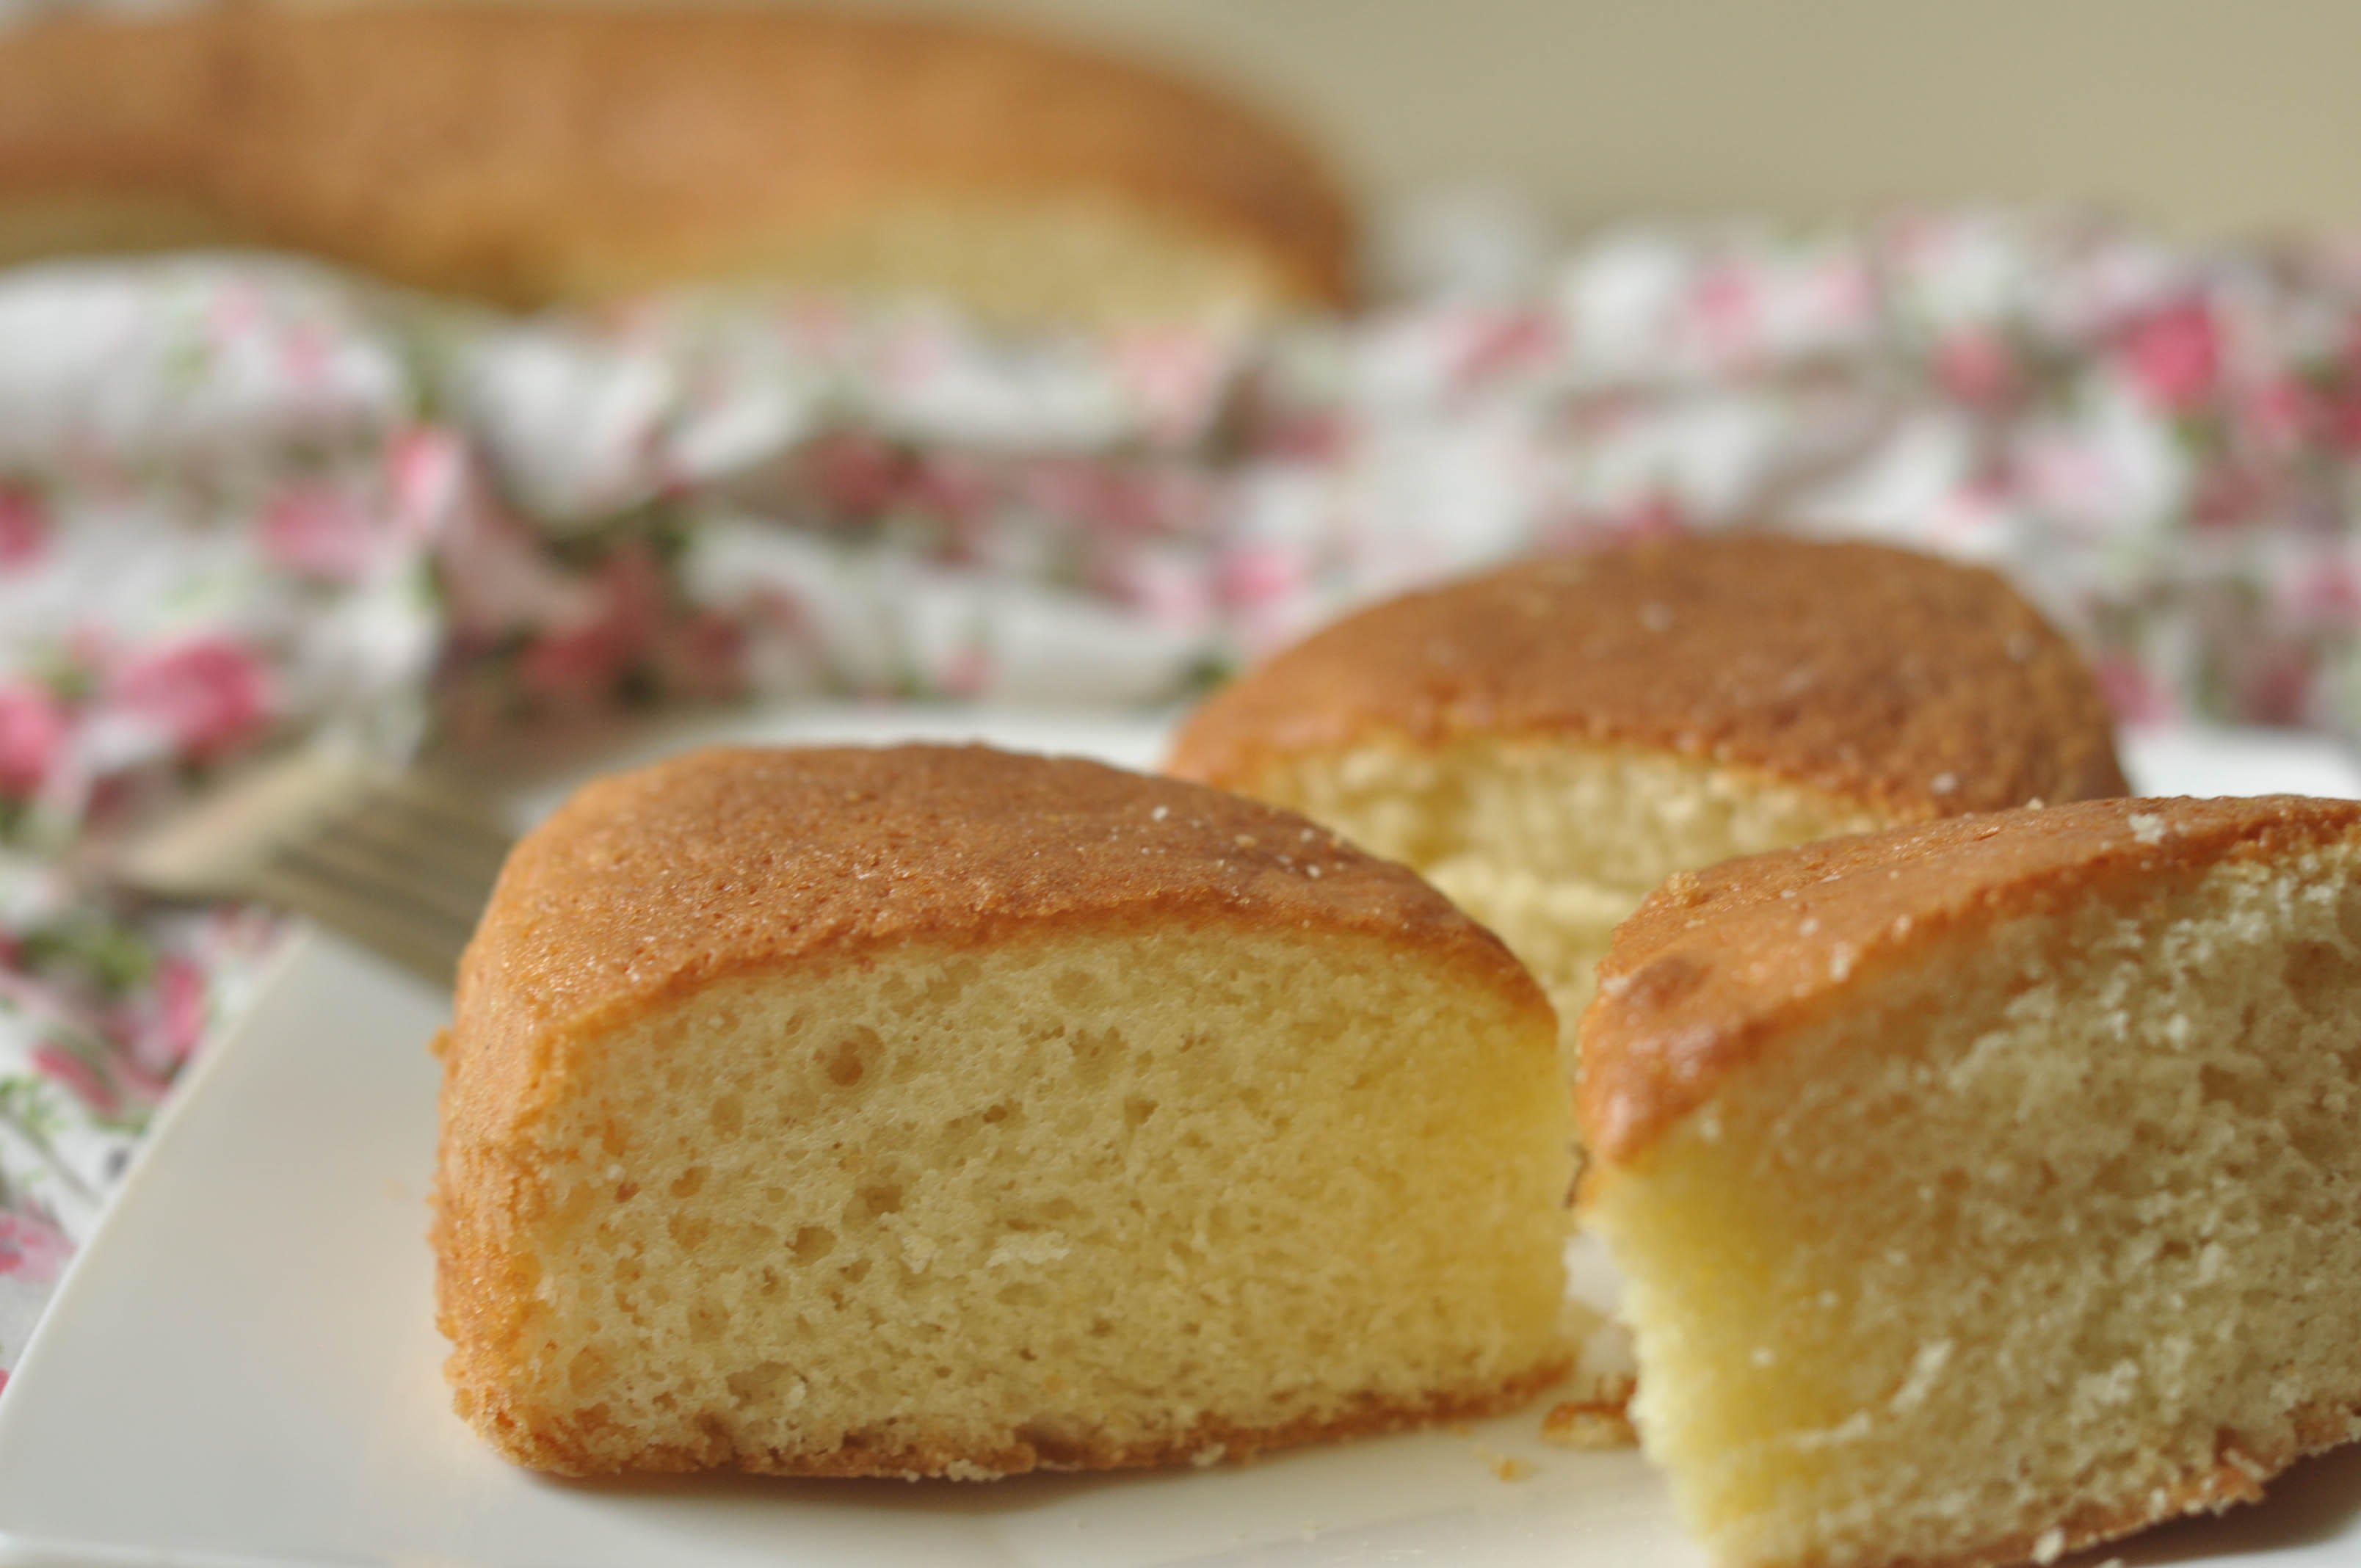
x=1548, y=742
x=933, y=1111
x=1987, y=1188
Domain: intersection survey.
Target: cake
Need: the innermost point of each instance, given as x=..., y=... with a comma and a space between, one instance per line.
x=1548, y=742
x=535, y=154
x=941, y=1111
x=1987, y=1189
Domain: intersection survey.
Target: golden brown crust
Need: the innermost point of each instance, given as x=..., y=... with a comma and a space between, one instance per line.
x=728, y=859
x=1205, y=1441
x=484, y=1274
x=1917, y=686
x=1717, y=963
x=528, y=152
x=646, y=885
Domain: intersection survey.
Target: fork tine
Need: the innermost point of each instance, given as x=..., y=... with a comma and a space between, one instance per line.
x=431, y=802
x=425, y=943
x=401, y=864
x=424, y=846
x=430, y=875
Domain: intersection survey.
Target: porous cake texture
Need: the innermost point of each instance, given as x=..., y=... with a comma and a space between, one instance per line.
x=1547, y=743
x=939, y=1112
x=1986, y=1189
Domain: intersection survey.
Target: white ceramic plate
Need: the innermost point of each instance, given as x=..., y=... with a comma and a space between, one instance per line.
x=242, y=1368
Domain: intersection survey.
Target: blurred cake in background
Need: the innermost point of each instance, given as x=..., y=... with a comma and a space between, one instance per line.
x=533, y=154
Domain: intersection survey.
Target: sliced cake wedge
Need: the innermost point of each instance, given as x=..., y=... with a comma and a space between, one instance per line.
x=1987, y=1189
x=941, y=1111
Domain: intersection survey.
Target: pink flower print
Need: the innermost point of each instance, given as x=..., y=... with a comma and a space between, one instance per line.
x=1840, y=294
x=426, y=478
x=575, y=668
x=209, y=693
x=2279, y=691
x=304, y=354
x=1309, y=436
x=1061, y=486
x=495, y=579
x=2135, y=695
x=322, y=533
x=1172, y=589
x=63, y=1068
x=2319, y=592
x=581, y=664
x=965, y=674
x=2282, y=415
x=1726, y=309
x=2343, y=417
x=1501, y=343
x=2174, y=355
x=704, y=656
x=855, y=473
x=24, y=529
x=32, y=731
x=1102, y=501
x=953, y=485
x=910, y=359
x=1175, y=374
x=1655, y=516
x=236, y=311
x=179, y=1025
x=29, y=1250
x=1974, y=366
x=2227, y=494
x=1262, y=573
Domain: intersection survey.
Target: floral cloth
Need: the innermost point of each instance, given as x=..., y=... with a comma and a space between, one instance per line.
x=243, y=498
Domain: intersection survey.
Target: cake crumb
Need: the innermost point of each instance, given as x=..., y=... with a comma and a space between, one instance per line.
x=1602, y=1421
x=1508, y=1467
x=2050, y=1546
x=2246, y=1464
x=1597, y=1427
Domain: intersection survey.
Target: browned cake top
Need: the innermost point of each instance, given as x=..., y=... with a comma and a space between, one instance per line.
x=528, y=151
x=726, y=861
x=1913, y=685
x=1716, y=962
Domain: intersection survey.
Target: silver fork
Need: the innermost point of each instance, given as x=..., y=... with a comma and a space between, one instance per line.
x=401, y=862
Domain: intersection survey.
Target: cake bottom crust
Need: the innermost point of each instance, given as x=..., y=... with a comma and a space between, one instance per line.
x=587, y=1445
x=2236, y=1475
